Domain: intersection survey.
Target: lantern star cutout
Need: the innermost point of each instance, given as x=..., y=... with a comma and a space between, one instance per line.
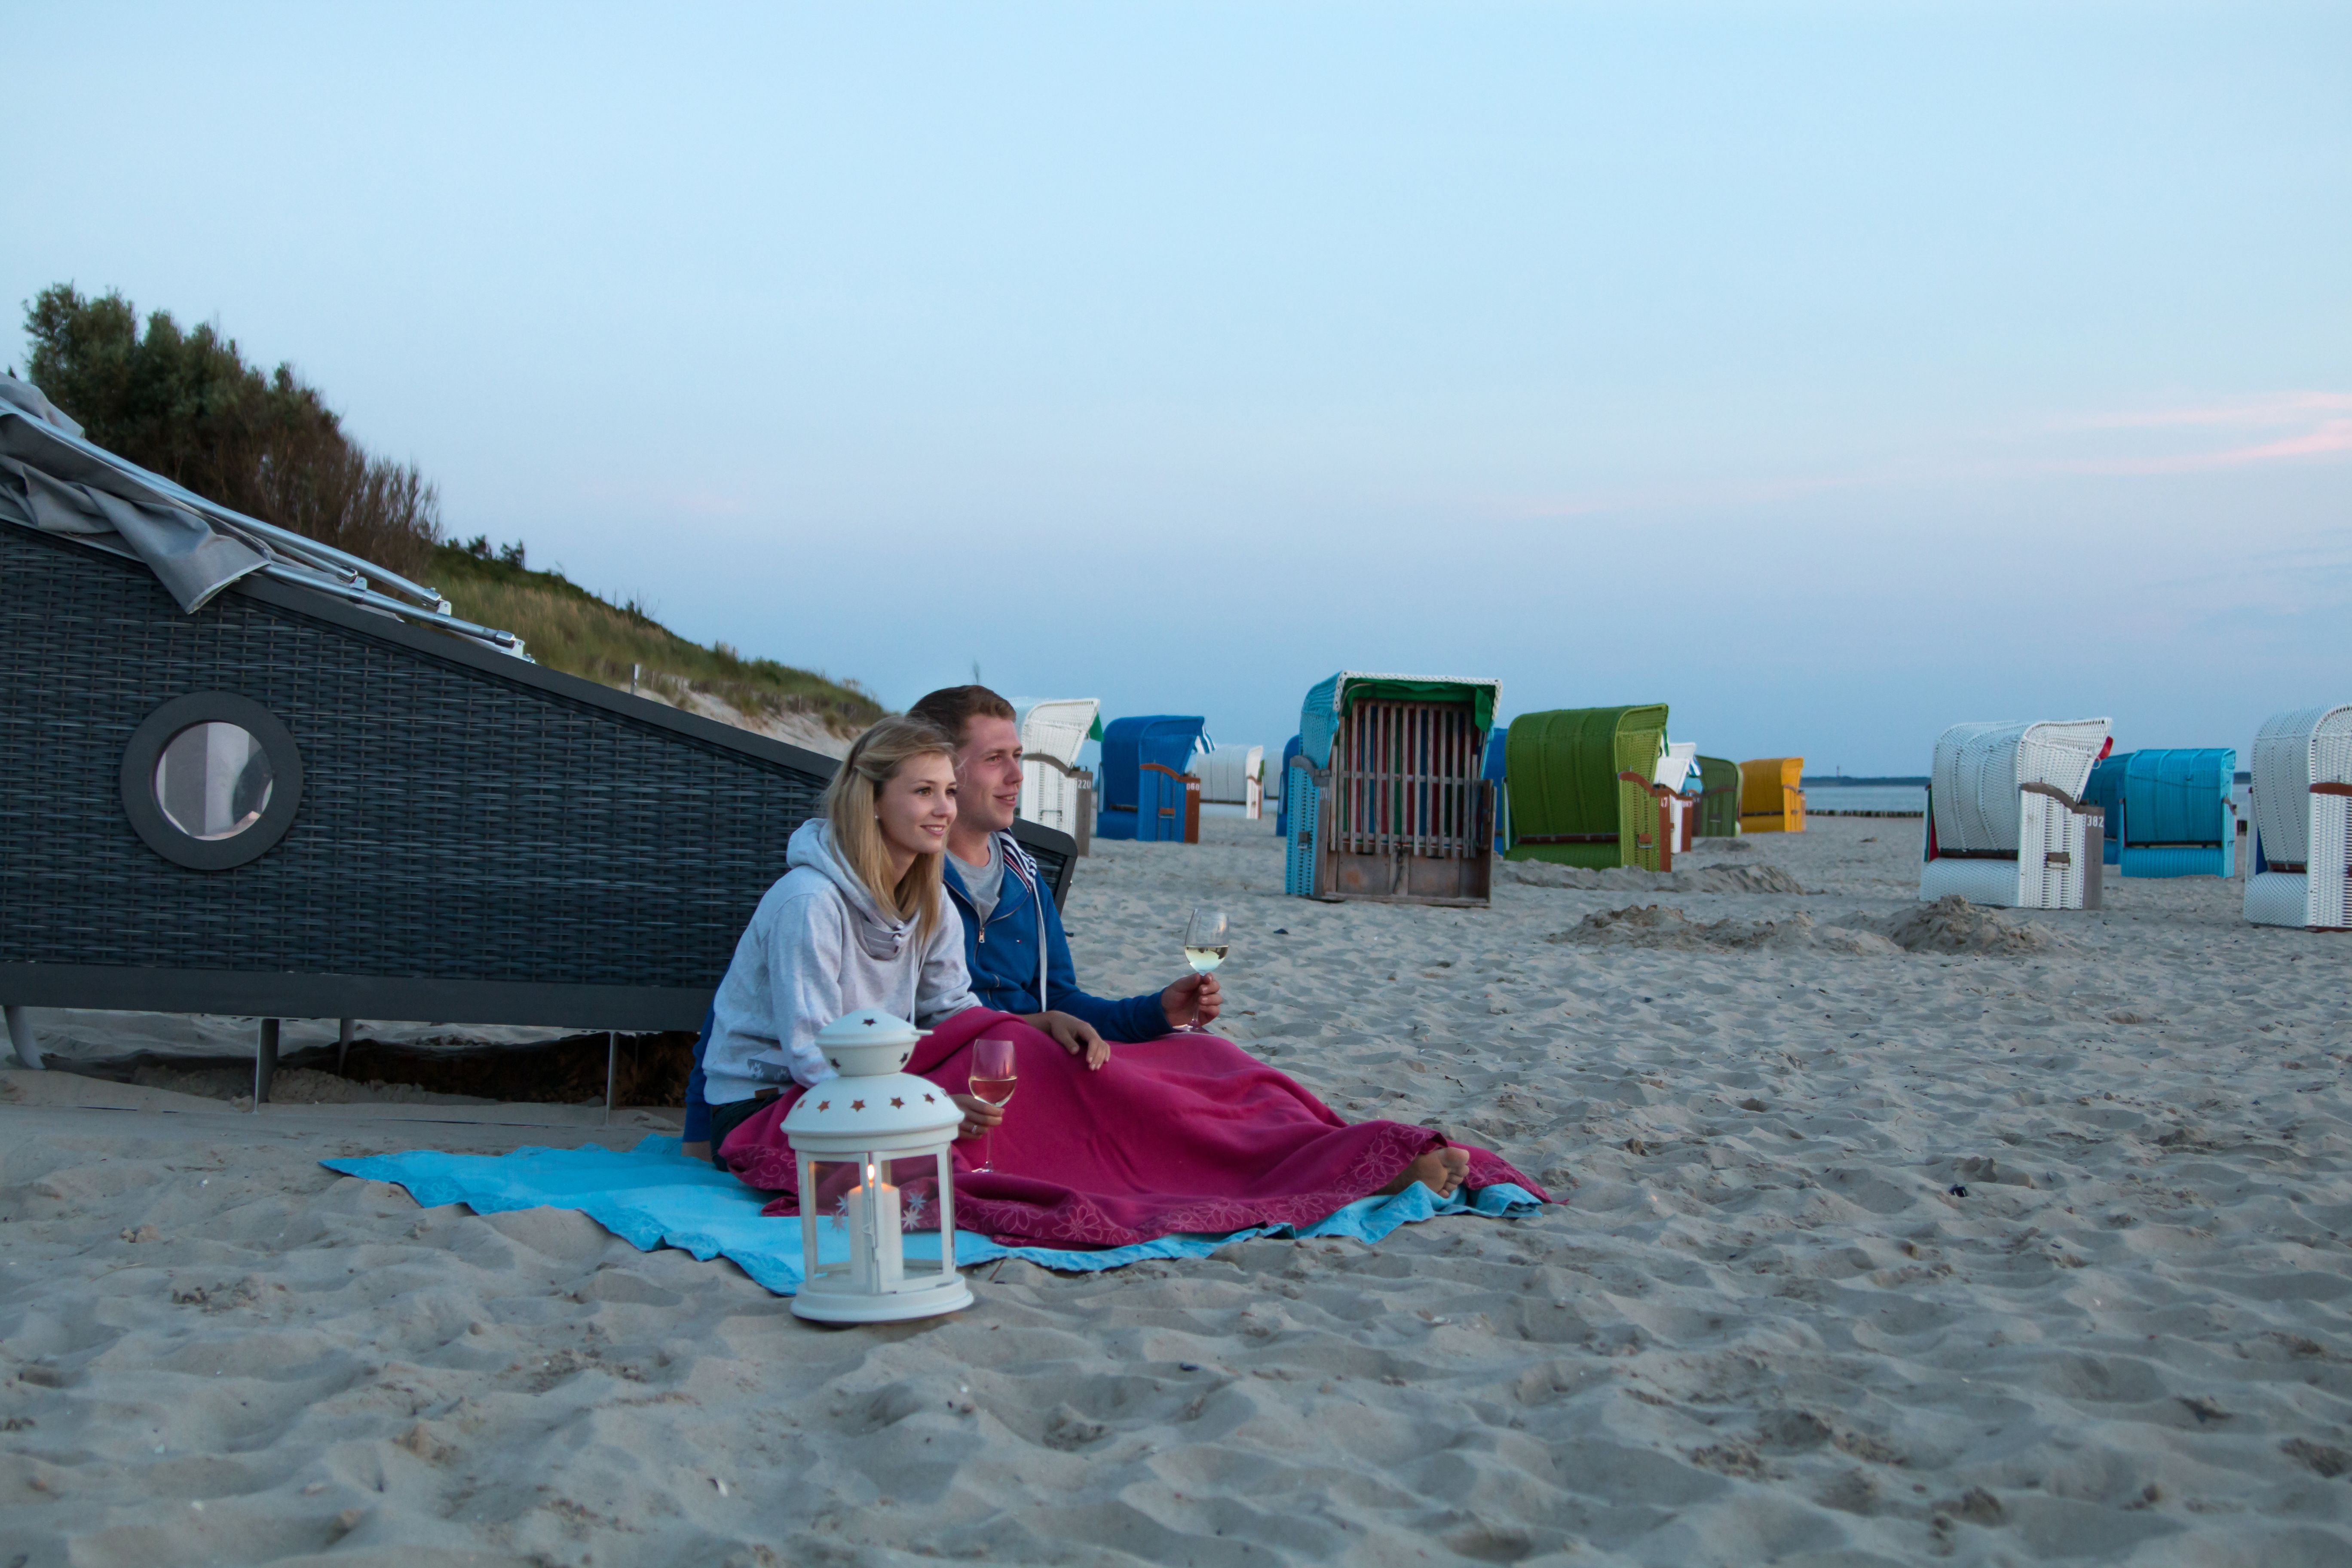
x=897, y=1103
x=857, y=1105
x=824, y=1105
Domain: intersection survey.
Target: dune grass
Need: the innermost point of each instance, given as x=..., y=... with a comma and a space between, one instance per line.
x=566, y=627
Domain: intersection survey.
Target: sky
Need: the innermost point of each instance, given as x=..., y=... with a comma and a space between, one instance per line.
x=1832, y=372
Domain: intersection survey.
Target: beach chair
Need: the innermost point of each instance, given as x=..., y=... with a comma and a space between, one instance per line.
x=2176, y=812
x=1677, y=772
x=1282, y=788
x=2007, y=823
x=1718, y=800
x=1584, y=784
x=1054, y=732
x=1150, y=792
x=1233, y=775
x=1387, y=799
x=1772, y=795
x=1498, y=773
x=2106, y=791
x=2302, y=797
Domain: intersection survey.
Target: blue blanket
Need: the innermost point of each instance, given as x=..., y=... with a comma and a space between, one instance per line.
x=653, y=1196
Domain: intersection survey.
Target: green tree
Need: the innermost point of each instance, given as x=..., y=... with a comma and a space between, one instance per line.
x=186, y=404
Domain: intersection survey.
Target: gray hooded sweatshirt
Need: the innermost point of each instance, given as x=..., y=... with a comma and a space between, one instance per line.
x=818, y=947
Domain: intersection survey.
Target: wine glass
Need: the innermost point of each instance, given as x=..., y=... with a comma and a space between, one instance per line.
x=992, y=1080
x=1205, y=940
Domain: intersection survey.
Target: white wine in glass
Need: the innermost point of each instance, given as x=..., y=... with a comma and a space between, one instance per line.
x=1206, y=940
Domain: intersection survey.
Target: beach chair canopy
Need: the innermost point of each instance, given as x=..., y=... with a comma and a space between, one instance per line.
x=2178, y=797
x=2292, y=752
x=1166, y=740
x=1567, y=804
x=2303, y=820
x=1058, y=727
x=1332, y=700
x=1980, y=768
x=1772, y=795
x=1676, y=763
x=54, y=481
x=1226, y=770
x=1718, y=808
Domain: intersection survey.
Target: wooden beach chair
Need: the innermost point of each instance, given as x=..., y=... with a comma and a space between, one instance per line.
x=2302, y=800
x=1387, y=799
x=2007, y=822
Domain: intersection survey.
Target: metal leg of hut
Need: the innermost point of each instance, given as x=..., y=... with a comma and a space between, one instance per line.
x=20, y=1036
x=265, y=1061
x=611, y=1068
x=342, y=1043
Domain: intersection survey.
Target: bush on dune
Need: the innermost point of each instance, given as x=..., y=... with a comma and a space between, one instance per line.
x=186, y=405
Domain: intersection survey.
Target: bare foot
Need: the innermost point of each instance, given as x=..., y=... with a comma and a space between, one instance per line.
x=695, y=1151
x=1440, y=1170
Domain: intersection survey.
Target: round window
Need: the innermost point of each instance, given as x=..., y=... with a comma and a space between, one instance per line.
x=211, y=780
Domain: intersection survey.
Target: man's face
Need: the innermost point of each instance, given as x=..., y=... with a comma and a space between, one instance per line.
x=988, y=772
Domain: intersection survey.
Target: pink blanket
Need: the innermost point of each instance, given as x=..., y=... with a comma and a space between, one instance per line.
x=1182, y=1133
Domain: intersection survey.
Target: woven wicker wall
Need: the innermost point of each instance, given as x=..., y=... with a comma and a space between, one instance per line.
x=454, y=824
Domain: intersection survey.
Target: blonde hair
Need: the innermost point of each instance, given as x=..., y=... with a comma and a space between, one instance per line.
x=874, y=760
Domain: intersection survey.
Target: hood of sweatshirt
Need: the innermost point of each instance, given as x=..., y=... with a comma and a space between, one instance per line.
x=882, y=935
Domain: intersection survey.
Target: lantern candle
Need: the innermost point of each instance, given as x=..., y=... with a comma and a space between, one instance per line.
x=871, y=1121
x=876, y=1254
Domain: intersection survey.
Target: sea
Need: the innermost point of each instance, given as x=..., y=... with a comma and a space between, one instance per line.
x=1828, y=799
x=1825, y=797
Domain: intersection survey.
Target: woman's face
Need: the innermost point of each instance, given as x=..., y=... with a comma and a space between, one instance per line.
x=917, y=805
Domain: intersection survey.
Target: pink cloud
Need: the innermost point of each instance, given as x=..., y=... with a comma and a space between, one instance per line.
x=2284, y=408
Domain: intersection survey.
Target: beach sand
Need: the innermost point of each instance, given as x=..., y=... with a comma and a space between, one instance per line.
x=1762, y=1326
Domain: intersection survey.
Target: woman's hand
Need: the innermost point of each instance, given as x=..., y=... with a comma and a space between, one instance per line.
x=979, y=1116
x=1194, y=999
x=1075, y=1036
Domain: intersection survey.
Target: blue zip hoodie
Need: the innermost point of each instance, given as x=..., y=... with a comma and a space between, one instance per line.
x=1002, y=956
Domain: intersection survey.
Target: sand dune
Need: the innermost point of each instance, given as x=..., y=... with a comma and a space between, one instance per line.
x=1893, y=1235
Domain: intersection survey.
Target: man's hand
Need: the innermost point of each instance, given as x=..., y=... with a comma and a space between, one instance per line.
x=1194, y=999
x=979, y=1116
x=1075, y=1036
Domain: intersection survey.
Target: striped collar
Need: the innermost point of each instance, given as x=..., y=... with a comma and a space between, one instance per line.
x=1017, y=860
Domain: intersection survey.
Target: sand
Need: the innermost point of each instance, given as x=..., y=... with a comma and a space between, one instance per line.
x=1763, y=1327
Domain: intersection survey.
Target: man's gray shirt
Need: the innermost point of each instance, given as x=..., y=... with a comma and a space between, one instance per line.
x=982, y=884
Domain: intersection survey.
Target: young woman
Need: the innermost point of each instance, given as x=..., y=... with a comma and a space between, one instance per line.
x=858, y=920
x=1184, y=1133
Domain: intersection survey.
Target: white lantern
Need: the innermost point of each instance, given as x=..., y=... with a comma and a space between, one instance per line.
x=873, y=1149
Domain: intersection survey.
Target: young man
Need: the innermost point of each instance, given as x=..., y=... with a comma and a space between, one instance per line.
x=1009, y=916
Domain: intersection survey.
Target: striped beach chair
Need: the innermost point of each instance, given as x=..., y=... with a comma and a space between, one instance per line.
x=2008, y=824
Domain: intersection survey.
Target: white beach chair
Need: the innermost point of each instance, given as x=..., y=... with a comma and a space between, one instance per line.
x=1674, y=771
x=2006, y=825
x=2302, y=800
x=1053, y=730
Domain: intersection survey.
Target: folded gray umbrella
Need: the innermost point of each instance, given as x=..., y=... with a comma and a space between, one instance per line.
x=54, y=480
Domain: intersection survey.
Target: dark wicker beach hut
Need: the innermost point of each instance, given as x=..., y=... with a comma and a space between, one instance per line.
x=303, y=796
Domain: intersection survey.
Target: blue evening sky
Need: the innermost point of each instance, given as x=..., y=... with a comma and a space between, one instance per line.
x=1831, y=371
